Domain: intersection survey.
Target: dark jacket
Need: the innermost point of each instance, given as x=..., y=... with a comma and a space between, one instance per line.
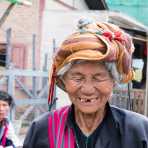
x=132, y=128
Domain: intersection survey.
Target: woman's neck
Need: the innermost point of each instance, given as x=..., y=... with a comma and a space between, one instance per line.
x=89, y=122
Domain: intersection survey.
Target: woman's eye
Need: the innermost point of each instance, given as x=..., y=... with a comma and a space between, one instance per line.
x=77, y=79
x=99, y=78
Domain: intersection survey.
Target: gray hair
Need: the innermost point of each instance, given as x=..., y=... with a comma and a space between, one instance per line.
x=111, y=67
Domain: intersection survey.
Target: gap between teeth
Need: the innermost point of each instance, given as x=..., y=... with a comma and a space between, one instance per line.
x=87, y=100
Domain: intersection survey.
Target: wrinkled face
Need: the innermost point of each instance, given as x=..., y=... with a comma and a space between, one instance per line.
x=4, y=109
x=89, y=86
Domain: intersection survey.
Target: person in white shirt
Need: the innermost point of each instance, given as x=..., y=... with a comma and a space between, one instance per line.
x=8, y=138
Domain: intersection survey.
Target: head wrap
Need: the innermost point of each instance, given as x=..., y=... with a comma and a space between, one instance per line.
x=95, y=41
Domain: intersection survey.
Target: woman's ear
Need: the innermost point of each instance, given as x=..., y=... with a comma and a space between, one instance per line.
x=62, y=78
x=61, y=82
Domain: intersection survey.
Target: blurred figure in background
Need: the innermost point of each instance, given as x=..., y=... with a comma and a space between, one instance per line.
x=8, y=138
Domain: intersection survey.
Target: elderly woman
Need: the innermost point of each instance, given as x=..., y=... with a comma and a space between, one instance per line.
x=87, y=66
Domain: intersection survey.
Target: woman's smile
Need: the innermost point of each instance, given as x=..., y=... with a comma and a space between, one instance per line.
x=88, y=101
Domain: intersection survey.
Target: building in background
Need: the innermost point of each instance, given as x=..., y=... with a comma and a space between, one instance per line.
x=24, y=22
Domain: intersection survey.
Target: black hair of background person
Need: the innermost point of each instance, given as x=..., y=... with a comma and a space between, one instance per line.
x=4, y=96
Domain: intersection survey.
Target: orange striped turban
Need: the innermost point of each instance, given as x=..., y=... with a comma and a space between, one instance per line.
x=98, y=42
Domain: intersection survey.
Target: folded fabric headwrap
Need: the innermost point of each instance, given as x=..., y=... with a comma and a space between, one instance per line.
x=97, y=42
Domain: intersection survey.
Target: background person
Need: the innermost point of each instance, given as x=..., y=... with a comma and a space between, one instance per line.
x=8, y=137
x=87, y=66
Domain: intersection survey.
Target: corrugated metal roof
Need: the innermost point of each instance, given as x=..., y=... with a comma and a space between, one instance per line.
x=137, y=30
x=126, y=21
x=135, y=8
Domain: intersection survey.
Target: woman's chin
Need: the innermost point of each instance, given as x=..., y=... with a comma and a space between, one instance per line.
x=89, y=109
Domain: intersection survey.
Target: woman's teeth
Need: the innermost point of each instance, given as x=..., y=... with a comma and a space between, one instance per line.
x=87, y=100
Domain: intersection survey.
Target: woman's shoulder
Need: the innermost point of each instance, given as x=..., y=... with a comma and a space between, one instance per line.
x=124, y=113
x=45, y=115
x=38, y=132
x=130, y=118
x=43, y=119
x=131, y=123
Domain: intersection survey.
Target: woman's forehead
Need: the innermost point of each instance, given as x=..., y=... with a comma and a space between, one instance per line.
x=88, y=66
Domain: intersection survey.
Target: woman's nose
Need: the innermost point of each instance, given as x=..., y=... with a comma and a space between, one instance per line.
x=88, y=87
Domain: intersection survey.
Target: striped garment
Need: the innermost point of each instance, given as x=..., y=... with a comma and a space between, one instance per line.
x=60, y=136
